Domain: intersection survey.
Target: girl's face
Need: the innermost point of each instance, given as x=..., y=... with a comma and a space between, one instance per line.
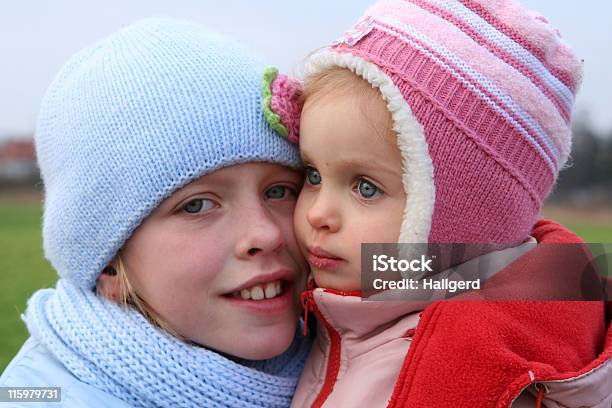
x=219, y=263
x=353, y=191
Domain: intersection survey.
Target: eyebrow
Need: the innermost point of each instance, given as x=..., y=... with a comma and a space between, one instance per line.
x=193, y=188
x=366, y=165
x=361, y=164
x=215, y=182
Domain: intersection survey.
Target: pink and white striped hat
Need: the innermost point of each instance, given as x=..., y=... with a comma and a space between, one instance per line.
x=481, y=94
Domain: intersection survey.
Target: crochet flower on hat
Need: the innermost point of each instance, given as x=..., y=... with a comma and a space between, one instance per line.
x=281, y=103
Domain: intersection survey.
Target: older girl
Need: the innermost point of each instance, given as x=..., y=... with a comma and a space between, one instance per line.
x=168, y=217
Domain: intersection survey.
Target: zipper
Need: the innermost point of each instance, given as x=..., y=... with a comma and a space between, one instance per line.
x=333, y=359
x=306, y=299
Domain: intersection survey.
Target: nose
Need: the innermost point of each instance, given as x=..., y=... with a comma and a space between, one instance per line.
x=323, y=214
x=260, y=233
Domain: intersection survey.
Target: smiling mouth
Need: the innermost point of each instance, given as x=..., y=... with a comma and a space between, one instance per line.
x=261, y=291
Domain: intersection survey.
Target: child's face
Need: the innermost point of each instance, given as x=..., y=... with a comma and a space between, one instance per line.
x=227, y=231
x=353, y=191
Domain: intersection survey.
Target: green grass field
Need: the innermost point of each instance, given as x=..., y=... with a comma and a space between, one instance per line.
x=24, y=270
x=592, y=233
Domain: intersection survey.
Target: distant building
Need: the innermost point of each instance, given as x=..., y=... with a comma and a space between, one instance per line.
x=18, y=162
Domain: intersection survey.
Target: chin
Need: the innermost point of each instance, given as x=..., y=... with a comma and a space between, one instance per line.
x=266, y=342
x=329, y=280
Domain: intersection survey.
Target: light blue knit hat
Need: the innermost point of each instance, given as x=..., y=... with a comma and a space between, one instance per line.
x=134, y=117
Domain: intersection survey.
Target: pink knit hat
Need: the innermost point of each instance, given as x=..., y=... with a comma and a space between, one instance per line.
x=481, y=94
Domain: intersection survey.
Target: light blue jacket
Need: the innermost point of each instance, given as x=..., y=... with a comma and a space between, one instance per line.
x=35, y=366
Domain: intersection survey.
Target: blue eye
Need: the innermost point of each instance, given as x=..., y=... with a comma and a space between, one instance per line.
x=367, y=189
x=279, y=192
x=197, y=205
x=313, y=176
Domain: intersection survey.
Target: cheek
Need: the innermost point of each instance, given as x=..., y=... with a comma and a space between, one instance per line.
x=300, y=220
x=383, y=225
x=173, y=263
x=286, y=224
x=397, y=215
x=197, y=260
x=284, y=219
x=391, y=222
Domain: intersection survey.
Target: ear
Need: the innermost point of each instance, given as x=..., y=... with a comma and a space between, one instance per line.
x=109, y=285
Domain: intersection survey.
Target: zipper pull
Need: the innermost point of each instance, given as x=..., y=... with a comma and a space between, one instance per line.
x=306, y=296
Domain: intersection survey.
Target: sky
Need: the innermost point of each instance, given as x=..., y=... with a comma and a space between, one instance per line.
x=36, y=37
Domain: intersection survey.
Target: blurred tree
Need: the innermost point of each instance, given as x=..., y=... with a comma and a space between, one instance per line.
x=588, y=173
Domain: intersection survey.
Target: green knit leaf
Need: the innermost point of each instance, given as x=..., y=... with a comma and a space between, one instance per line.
x=266, y=89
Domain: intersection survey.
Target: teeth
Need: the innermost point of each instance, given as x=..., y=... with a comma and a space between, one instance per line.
x=245, y=294
x=258, y=292
x=270, y=290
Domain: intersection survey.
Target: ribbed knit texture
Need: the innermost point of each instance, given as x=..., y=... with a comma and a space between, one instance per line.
x=286, y=102
x=116, y=350
x=132, y=118
x=492, y=84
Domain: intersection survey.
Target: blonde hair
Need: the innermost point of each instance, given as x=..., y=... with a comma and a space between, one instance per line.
x=340, y=81
x=129, y=298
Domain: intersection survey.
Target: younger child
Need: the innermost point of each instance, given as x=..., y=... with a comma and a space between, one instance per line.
x=441, y=122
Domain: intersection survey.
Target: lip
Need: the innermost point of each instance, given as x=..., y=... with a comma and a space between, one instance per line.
x=322, y=259
x=321, y=253
x=283, y=274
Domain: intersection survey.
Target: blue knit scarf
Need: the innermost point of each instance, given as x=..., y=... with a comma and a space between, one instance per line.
x=115, y=349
